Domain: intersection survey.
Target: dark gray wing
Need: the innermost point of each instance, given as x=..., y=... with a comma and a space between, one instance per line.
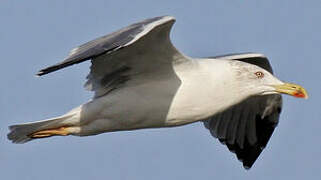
x=135, y=54
x=109, y=43
x=247, y=127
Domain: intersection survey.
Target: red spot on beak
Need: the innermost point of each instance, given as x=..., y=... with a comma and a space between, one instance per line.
x=299, y=94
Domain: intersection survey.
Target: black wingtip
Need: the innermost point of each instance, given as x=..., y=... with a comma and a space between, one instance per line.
x=47, y=70
x=52, y=68
x=40, y=73
x=247, y=165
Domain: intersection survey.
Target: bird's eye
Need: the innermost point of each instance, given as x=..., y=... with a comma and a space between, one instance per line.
x=259, y=74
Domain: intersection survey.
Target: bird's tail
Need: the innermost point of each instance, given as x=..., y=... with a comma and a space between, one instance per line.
x=23, y=133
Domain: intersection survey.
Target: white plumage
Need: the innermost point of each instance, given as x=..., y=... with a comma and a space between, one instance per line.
x=141, y=81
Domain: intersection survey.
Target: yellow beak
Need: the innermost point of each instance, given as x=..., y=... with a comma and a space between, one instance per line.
x=292, y=89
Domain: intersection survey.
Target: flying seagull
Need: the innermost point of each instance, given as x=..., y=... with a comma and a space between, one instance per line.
x=140, y=80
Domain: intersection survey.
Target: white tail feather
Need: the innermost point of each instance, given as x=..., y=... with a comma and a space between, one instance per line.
x=20, y=133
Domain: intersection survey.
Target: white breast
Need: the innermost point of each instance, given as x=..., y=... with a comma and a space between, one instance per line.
x=205, y=90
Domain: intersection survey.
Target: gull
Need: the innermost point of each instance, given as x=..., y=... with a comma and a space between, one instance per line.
x=140, y=80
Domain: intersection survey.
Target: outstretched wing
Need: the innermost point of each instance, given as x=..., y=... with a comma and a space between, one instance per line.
x=133, y=52
x=247, y=127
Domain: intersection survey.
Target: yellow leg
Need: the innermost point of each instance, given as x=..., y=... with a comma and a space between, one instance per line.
x=62, y=131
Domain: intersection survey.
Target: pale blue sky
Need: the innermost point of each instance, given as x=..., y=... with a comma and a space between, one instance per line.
x=34, y=34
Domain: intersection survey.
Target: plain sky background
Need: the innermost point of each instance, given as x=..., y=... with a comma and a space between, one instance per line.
x=35, y=34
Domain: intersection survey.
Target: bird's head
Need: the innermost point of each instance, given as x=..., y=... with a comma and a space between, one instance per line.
x=255, y=80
